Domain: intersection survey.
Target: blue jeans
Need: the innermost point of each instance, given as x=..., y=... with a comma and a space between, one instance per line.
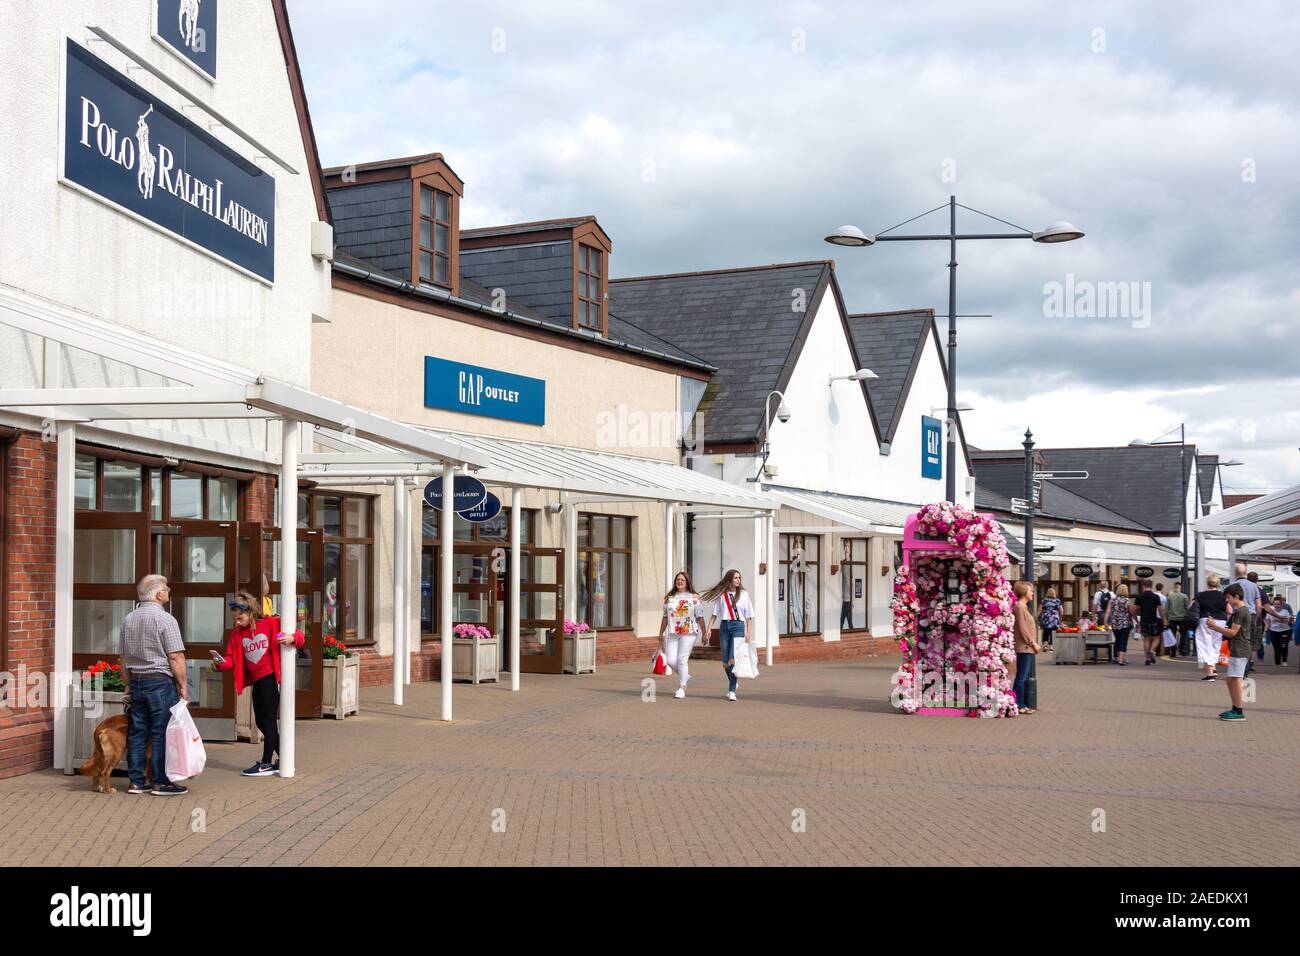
x=151, y=704
x=730, y=632
x=1024, y=667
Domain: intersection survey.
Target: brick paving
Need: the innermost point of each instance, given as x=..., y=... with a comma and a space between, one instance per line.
x=581, y=770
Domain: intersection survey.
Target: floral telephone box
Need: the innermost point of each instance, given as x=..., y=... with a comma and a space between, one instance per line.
x=952, y=616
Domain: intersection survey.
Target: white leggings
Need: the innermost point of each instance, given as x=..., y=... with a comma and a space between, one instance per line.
x=677, y=649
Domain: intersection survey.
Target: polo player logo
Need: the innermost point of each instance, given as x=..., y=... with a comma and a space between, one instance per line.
x=187, y=21
x=144, y=176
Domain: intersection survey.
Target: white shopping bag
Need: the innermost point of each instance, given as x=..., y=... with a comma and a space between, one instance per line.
x=1168, y=638
x=746, y=658
x=185, y=754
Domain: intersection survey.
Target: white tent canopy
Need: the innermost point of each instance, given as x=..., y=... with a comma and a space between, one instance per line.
x=1255, y=528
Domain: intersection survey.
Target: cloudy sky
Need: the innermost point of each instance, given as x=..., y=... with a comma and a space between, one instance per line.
x=706, y=135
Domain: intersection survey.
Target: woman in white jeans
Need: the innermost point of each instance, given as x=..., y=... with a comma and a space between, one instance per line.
x=679, y=628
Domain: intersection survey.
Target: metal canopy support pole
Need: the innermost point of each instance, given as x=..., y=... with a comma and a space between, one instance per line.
x=1031, y=574
x=288, y=590
x=570, y=562
x=670, y=519
x=446, y=522
x=399, y=650
x=516, y=514
x=410, y=637
x=773, y=571
x=64, y=537
x=1182, y=466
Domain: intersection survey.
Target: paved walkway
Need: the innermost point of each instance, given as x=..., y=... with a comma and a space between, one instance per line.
x=582, y=771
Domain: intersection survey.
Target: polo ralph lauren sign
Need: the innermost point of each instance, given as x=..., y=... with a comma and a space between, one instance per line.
x=188, y=28
x=139, y=155
x=458, y=387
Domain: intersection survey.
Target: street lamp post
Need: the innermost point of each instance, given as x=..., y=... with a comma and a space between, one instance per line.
x=1182, y=466
x=853, y=236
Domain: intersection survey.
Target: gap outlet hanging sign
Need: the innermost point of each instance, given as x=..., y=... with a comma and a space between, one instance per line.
x=126, y=148
x=188, y=28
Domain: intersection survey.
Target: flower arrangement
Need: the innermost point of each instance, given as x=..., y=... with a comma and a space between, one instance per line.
x=576, y=627
x=962, y=634
x=103, y=676
x=334, y=648
x=467, y=632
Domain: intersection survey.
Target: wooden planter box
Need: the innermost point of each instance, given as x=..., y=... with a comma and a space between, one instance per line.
x=474, y=659
x=341, y=687
x=580, y=653
x=83, y=717
x=1067, y=648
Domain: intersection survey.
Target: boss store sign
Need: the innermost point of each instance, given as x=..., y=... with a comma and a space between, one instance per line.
x=125, y=148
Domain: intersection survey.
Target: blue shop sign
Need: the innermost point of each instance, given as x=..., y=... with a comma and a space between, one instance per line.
x=189, y=29
x=123, y=146
x=489, y=509
x=458, y=387
x=469, y=495
x=931, y=447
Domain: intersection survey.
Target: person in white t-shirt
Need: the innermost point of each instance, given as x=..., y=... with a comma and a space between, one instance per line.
x=734, y=612
x=679, y=627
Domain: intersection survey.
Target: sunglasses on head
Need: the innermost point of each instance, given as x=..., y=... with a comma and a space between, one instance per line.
x=238, y=606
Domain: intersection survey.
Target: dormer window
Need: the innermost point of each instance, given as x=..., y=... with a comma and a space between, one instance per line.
x=590, y=288
x=435, y=236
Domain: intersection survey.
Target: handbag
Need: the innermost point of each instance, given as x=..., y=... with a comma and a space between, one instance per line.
x=658, y=664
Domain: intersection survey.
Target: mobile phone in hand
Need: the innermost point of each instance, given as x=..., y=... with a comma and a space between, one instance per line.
x=217, y=657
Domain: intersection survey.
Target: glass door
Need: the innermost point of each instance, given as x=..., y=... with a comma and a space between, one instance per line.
x=541, y=611
x=313, y=608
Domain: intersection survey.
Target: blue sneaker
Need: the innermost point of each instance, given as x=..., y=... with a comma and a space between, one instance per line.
x=1232, y=715
x=258, y=770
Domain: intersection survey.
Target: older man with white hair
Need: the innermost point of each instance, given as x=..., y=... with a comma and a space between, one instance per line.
x=153, y=659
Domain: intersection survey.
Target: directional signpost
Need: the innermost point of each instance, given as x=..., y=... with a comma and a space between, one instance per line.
x=1060, y=475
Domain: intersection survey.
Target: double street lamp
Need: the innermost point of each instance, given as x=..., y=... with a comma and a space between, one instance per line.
x=853, y=236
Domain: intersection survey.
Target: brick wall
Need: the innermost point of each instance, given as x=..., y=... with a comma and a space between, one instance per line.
x=377, y=669
x=27, y=734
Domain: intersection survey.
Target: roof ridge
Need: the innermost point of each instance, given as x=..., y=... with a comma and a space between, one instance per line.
x=867, y=315
x=380, y=163
x=534, y=222
x=732, y=269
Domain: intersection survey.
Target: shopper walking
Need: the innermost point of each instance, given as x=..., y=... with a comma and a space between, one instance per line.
x=1049, y=616
x=1211, y=608
x=153, y=658
x=1119, y=616
x=1280, y=617
x=1151, y=621
x=1101, y=601
x=1027, y=646
x=1175, y=614
x=679, y=627
x=1237, y=632
x=731, y=607
x=254, y=657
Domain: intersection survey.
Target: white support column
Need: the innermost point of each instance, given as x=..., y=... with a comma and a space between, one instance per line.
x=1232, y=559
x=570, y=564
x=1200, y=565
x=410, y=640
x=516, y=515
x=773, y=572
x=670, y=521
x=399, y=580
x=446, y=529
x=64, y=536
x=288, y=590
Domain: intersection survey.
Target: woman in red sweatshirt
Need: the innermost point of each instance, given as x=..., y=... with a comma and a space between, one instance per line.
x=255, y=659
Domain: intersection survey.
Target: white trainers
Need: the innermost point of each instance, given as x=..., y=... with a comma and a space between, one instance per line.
x=668, y=671
x=731, y=695
x=681, y=692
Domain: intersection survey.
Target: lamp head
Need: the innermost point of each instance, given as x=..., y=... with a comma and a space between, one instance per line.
x=1058, y=232
x=850, y=236
x=863, y=375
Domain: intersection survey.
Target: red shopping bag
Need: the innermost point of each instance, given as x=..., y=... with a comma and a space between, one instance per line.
x=1223, y=654
x=658, y=663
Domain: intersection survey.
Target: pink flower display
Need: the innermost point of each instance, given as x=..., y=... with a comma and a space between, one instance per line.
x=968, y=634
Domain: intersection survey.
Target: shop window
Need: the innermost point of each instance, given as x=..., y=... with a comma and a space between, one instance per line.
x=86, y=482
x=853, y=584
x=123, y=486
x=346, y=522
x=798, y=588
x=435, y=236
x=604, y=570
x=590, y=271
x=186, y=496
x=479, y=581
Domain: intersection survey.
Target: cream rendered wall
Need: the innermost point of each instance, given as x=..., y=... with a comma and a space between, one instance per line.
x=371, y=354
x=61, y=245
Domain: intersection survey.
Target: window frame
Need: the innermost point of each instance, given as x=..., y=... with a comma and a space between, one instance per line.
x=584, y=613
x=783, y=567
x=342, y=540
x=433, y=543
x=583, y=252
x=847, y=565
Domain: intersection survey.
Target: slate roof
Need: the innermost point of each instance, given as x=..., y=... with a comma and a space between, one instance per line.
x=891, y=345
x=1142, y=484
x=372, y=221
x=996, y=483
x=518, y=228
x=739, y=320
x=537, y=274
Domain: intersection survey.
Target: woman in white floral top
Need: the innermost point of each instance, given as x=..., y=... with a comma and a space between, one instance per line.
x=679, y=627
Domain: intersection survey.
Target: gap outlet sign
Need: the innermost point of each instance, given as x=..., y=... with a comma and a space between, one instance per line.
x=188, y=28
x=141, y=156
x=458, y=387
x=931, y=447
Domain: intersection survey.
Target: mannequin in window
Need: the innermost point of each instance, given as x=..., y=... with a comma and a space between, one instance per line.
x=331, y=606
x=796, y=596
x=846, y=586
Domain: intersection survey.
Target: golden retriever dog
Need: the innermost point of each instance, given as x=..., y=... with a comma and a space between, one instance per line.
x=110, y=746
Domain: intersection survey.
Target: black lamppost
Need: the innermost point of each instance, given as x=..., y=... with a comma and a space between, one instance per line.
x=853, y=236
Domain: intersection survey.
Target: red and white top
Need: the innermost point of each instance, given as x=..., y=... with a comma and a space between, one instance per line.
x=727, y=608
